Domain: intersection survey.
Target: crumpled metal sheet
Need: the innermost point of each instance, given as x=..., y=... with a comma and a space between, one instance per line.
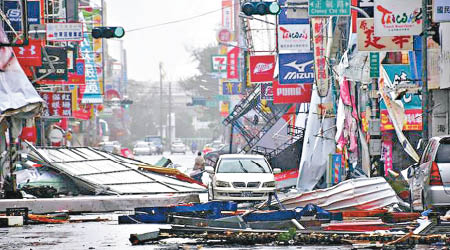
x=361, y=193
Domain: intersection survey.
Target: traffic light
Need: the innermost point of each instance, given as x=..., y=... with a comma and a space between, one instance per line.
x=260, y=8
x=108, y=32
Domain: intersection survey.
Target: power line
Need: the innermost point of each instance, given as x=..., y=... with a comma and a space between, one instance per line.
x=177, y=21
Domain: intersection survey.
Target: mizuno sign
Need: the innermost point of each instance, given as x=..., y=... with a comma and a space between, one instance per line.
x=296, y=68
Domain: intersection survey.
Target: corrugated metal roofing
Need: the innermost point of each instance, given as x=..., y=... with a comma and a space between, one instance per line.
x=97, y=170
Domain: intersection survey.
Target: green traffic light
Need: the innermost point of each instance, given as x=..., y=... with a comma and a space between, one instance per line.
x=274, y=8
x=119, y=32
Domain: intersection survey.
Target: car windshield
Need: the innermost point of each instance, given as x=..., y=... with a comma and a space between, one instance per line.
x=243, y=166
x=155, y=140
x=443, y=153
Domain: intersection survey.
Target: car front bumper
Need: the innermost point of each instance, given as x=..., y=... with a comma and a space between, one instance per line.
x=242, y=194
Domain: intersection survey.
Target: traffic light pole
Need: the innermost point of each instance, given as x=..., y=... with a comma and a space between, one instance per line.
x=160, y=101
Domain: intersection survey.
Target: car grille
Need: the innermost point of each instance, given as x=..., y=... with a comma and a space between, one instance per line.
x=240, y=194
x=253, y=184
x=239, y=184
x=243, y=184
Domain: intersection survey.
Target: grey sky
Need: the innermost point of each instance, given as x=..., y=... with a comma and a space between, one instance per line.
x=169, y=44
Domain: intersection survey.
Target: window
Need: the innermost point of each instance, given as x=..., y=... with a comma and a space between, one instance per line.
x=443, y=153
x=243, y=166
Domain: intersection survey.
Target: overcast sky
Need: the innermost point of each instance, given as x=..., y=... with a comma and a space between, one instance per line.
x=169, y=44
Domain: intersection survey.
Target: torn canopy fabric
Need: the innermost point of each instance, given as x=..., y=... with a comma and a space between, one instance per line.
x=103, y=173
x=17, y=95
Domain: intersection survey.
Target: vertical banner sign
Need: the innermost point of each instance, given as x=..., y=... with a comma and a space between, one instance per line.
x=266, y=91
x=336, y=169
x=398, y=18
x=232, y=63
x=29, y=55
x=58, y=104
x=291, y=93
x=374, y=64
x=386, y=153
x=262, y=68
x=91, y=92
x=319, y=26
x=218, y=63
x=227, y=14
x=294, y=37
x=441, y=11
x=329, y=8
x=367, y=41
x=296, y=68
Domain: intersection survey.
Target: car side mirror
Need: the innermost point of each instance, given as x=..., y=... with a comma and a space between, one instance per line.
x=276, y=170
x=209, y=170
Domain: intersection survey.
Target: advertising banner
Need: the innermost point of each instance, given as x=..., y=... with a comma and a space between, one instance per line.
x=266, y=91
x=294, y=37
x=58, y=57
x=412, y=103
x=232, y=63
x=14, y=13
x=291, y=93
x=398, y=18
x=227, y=14
x=367, y=41
x=291, y=15
x=386, y=153
x=441, y=11
x=219, y=63
x=262, y=68
x=58, y=104
x=320, y=63
x=29, y=55
x=444, y=58
x=296, y=68
x=77, y=77
x=231, y=88
x=64, y=32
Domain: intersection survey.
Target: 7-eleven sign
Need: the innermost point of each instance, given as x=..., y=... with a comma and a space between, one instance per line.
x=219, y=63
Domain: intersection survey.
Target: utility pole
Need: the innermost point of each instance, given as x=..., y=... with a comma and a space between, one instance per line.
x=425, y=94
x=160, y=100
x=170, y=113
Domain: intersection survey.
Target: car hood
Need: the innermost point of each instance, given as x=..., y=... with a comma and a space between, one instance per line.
x=246, y=177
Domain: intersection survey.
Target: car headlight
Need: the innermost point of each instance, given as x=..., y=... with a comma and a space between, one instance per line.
x=269, y=184
x=222, y=184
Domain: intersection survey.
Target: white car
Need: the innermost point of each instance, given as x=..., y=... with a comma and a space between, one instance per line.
x=142, y=148
x=178, y=147
x=241, y=177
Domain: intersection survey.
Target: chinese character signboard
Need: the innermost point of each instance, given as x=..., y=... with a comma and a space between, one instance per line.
x=294, y=37
x=262, y=68
x=329, y=8
x=441, y=11
x=397, y=18
x=367, y=41
x=58, y=104
x=58, y=58
x=319, y=26
x=219, y=63
x=296, y=68
x=386, y=153
x=63, y=32
x=232, y=63
x=227, y=14
x=291, y=93
x=266, y=91
x=412, y=103
x=29, y=55
x=374, y=64
x=231, y=88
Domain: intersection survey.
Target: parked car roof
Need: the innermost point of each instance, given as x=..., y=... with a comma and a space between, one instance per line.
x=244, y=156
